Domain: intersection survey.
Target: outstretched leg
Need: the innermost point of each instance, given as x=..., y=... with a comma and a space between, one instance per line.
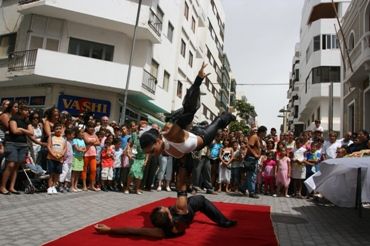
x=191, y=103
x=202, y=204
x=210, y=132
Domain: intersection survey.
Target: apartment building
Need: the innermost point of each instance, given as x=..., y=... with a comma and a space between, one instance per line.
x=293, y=124
x=75, y=54
x=319, y=60
x=356, y=68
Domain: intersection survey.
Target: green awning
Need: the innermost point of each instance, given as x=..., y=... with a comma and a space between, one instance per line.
x=152, y=119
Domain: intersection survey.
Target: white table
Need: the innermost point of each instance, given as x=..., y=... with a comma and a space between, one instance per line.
x=339, y=180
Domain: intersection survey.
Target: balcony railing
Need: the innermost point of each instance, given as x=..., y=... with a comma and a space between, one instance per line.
x=155, y=23
x=21, y=60
x=26, y=1
x=358, y=50
x=149, y=82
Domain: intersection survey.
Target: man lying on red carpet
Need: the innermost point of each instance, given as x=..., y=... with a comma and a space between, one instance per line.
x=173, y=221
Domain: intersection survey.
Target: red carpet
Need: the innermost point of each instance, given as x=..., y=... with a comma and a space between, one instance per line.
x=254, y=228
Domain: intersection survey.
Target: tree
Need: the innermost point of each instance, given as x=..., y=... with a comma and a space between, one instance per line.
x=244, y=110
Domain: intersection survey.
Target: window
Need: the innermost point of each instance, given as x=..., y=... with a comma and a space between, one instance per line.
x=166, y=80
x=160, y=13
x=205, y=111
x=351, y=42
x=154, y=68
x=90, y=49
x=7, y=44
x=38, y=42
x=190, y=59
x=179, y=89
x=193, y=24
x=170, y=31
x=335, y=42
x=325, y=74
x=183, y=48
x=351, y=116
x=186, y=11
x=316, y=43
x=326, y=41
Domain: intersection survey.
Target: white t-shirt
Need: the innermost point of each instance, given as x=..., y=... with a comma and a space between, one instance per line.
x=117, y=158
x=330, y=149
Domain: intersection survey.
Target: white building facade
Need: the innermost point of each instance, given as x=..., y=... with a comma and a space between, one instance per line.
x=319, y=66
x=75, y=54
x=356, y=76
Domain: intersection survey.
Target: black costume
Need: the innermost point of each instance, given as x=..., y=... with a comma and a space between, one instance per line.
x=184, y=117
x=195, y=204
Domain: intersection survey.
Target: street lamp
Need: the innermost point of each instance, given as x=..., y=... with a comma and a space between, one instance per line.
x=285, y=117
x=123, y=113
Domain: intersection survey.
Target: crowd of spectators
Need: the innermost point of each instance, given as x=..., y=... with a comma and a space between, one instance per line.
x=84, y=153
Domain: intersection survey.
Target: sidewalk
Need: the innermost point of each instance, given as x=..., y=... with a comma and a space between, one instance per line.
x=39, y=218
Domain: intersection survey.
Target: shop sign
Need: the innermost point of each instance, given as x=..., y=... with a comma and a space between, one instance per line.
x=76, y=105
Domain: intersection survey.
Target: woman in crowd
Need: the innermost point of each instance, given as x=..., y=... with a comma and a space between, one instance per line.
x=37, y=135
x=16, y=146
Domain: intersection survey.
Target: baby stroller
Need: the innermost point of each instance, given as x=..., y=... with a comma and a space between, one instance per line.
x=34, y=178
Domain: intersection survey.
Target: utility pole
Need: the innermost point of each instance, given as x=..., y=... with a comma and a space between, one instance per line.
x=331, y=106
x=123, y=113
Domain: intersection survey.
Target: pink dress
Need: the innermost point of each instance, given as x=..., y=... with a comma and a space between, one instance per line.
x=282, y=173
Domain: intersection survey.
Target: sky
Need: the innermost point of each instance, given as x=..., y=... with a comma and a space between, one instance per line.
x=260, y=36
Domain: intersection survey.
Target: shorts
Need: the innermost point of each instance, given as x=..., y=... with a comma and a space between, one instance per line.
x=54, y=167
x=78, y=164
x=107, y=173
x=15, y=152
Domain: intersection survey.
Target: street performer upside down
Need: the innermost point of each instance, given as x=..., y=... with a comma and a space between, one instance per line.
x=177, y=142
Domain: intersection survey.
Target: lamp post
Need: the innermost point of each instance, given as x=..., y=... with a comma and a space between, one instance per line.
x=123, y=113
x=285, y=117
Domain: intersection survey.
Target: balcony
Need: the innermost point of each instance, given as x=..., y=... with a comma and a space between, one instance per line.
x=22, y=60
x=118, y=16
x=360, y=57
x=155, y=23
x=149, y=82
x=43, y=66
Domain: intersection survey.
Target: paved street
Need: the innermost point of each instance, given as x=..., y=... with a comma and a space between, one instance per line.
x=39, y=218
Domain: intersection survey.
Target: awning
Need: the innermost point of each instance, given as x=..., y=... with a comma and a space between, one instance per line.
x=152, y=119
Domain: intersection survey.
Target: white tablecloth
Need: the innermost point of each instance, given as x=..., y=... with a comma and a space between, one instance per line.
x=337, y=180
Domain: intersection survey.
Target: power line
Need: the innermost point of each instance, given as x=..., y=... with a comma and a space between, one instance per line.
x=253, y=84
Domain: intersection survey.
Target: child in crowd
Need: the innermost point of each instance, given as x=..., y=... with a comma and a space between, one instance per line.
x=282, y=173
x=226, y=157
x=127, y=158
x=236, y=166
x=65, y=177
x=312, y=158
x=298, y=167
x=56, y=149
x=101, y=137
x=107, y=162
x=279, y=147
x=79, y=149
x=118, y=151
x=269, y=166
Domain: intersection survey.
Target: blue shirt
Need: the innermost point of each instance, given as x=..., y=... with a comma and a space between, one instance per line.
x=215, y=150
x=80, y=143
